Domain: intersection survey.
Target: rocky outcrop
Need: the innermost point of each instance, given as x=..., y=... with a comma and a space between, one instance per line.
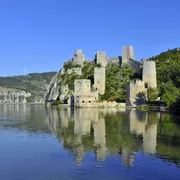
x=53, y=88
x=8, y=95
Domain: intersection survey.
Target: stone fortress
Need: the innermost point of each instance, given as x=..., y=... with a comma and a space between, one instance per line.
x=86, y=96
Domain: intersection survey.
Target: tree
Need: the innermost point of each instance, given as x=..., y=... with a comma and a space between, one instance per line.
x=152, y=94
x=170, y=94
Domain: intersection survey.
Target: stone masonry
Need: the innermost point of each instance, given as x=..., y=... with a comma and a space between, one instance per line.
x=101, y=58
x=149, y=73
x=83, y=96
x=99, y=79
x=78, y=57
x=127, y=53
x=136, y=93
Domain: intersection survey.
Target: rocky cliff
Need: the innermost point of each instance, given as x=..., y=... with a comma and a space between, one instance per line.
x=9, y=95
x=24, y=89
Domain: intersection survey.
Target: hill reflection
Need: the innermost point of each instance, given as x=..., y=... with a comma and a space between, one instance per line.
x=112, y=132
x=104, y=132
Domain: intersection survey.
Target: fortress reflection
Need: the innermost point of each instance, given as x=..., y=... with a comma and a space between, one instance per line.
x=104, y=131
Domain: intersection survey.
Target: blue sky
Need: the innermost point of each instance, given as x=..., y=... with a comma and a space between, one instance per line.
x=38, y=35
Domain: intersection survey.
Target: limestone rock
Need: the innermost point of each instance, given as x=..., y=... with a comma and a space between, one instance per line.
x=9, y=95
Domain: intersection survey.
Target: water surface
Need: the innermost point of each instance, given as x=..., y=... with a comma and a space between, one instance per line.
x=62, y=143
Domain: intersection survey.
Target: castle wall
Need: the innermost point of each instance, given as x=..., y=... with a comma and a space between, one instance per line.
x=149, y=73
x=101, y=58
x=136, y=66
x=127, y=53
x=136, y=93
x=99, y=79
x=85, y=101
x=114, y=59
x=78, y=57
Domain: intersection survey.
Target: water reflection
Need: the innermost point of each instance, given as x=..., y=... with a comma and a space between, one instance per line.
x=105, y=132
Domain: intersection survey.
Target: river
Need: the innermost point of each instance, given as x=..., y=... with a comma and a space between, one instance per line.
x=49, y=143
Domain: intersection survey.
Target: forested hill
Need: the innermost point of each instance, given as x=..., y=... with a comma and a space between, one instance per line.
x=168, y=76
x=34, y=83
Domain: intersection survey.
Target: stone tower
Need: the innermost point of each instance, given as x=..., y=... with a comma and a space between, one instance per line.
x=127, y=53
x=149, y=73
x=99, y=79
x=101, y=58
x=82, y=87
x=78, y=57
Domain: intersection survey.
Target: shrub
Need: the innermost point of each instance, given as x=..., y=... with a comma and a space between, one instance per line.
x=152, y=94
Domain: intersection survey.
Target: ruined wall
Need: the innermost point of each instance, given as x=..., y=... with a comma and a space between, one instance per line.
x=78, y=57
x=149, y=73
x=135, y=65
x=114, y=59
x=136, y=93
x=101, y=58
x=127, y=53
x=99, y=79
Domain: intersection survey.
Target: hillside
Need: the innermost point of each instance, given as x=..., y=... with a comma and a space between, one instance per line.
x=33, y=83
x=168, y=76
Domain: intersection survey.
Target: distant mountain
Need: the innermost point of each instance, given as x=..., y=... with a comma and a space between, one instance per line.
x=33, y=84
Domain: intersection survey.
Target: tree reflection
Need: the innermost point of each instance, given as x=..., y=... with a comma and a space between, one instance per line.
x=104, y=132
x=110, y=131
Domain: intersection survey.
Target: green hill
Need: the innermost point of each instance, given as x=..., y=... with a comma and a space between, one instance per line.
x=34, y=83
x=168, y=76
